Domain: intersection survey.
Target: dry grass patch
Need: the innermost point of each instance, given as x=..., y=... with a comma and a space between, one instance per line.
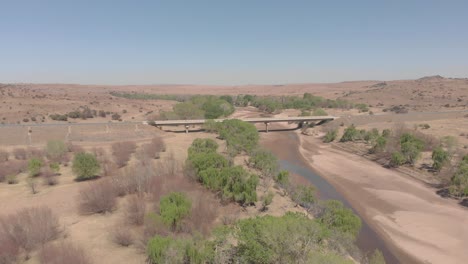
x=63, y=253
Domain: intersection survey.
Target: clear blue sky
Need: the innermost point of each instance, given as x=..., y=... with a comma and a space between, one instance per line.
x=230, y=42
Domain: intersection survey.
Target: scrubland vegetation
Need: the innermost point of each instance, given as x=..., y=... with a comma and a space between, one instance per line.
x=402, y=146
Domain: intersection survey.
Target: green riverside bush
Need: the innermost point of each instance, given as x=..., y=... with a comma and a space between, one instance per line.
x=85, y=166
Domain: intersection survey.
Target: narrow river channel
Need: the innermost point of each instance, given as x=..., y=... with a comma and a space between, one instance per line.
x=285, y=147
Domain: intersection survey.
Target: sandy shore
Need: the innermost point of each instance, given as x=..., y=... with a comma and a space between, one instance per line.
x=410, y=216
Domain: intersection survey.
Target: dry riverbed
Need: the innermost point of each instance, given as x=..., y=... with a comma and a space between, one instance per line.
x=411, y=217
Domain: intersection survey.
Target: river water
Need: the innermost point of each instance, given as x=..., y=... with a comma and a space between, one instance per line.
x=285, y=147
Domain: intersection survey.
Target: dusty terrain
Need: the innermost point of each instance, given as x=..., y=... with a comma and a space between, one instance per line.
x=409, y=215
x=19, y=101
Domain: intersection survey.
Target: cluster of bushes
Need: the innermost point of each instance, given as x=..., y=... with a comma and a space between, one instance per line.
x=145, y=96
x=410, y=150
x=84, y=112
x=308, y=101
x=201, y=106
x=25, y=231
x=373, y=137
x=234, y=183
x=37, y=162
x=292, y=238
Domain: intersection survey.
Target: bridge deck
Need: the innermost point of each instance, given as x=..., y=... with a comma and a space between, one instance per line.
x=250, y=120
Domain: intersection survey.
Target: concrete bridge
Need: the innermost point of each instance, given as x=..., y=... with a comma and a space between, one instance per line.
x=301, y=120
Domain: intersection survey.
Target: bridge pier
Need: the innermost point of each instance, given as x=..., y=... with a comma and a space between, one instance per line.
x=29, y=135
x=266, y=126
x=186, y=128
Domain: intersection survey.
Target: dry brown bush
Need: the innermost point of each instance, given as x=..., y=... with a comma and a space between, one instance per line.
x=136, y=179
x=74, y=148
x=135, y=210
x=63, y=253
x=20, y=154
x=153, y=149
x=29, y=228
x=49, y=177
x=122, y=151
x=35, y=153
x=204, y=212
x=122, y=236
x=97, y=197
x=108, y=167
x=3, y=156
x=12, y=168
x=9, y=249
x=158, y=144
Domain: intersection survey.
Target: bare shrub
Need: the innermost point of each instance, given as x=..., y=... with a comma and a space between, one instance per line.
x=30, y=227
x=97, y=198
x=108, y=167
x=20, y=154
x=132, y=180
x=74, y=148
x=122, y=236
x=153, y=149
x=9, y=249
x=204, y=212
x=49, y=177
x=63, y=253
x=135, y=210
x=122, y=151
x=3, y=156
x=12, y=168
x=35, y=153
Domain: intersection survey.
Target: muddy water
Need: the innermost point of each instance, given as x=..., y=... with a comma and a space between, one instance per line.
x=285, y=147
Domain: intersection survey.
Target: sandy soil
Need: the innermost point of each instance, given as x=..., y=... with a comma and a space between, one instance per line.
x=407, y=213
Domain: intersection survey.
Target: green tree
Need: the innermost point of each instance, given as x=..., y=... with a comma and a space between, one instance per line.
x=283, y=178
x=397, y=159
x=336, y=216
x=319, y=112
x=173, y=208
x=350, y=134
x=85, y=165
x=179, y=250
x=439, y=157
x=240, y=186
x=188, y=110
x=239, y=135
x=305, y=196
x=215, y=108
x=34, y=166
x=379, y=144
x=202, y=145
x=459, y=179
x=267, y=200
x=376, y=257
x=203, y=161
x=264, y=161
x=288, y=239
x=211, y=126
x=330, y=136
